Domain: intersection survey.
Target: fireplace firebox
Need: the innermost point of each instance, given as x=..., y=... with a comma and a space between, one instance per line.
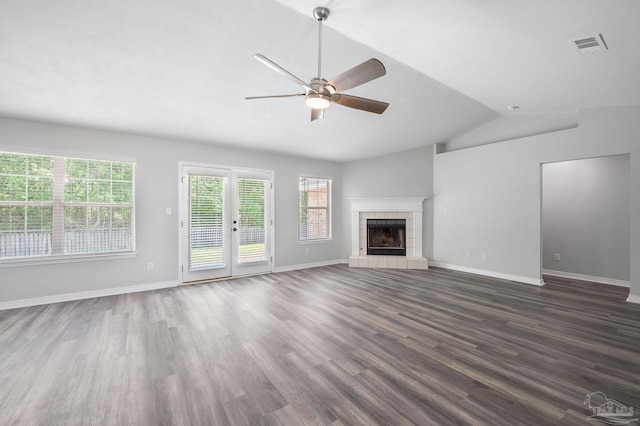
x=386, y=237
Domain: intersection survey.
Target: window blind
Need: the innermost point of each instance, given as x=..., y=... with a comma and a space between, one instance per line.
x=251, y=220
x=208, y=231
x=315, y=204
x=58, y=206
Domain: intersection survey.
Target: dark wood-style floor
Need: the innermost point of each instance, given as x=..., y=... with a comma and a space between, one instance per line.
x=329, y=345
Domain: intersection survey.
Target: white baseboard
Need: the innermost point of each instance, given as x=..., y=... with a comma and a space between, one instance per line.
x=601, y=280
x=633, y=299
x=310, y=265
x=492, y=274
x=22, y=303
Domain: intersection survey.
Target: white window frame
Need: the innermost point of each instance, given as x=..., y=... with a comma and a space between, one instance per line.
x=328, y=208
x=57, y=226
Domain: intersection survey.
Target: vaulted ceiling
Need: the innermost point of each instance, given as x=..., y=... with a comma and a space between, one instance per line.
x=181, y=70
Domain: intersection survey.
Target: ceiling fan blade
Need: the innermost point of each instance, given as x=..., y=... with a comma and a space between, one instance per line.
x=363, y=104
x=360, y=74
x=317, y=114
x=277, y=68
x=275, y=96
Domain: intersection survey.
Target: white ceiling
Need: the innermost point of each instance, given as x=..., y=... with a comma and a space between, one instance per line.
x=181, y=69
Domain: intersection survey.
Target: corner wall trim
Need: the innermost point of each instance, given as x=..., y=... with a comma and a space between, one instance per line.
x=633, y=299
x=23, y=303
x=600, y=280
x=499, y=275
x=309, y=265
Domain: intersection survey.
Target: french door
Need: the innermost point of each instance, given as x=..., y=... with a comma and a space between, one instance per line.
x=226, y=223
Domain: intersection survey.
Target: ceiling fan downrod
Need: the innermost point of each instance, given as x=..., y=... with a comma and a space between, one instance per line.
x=321, y=14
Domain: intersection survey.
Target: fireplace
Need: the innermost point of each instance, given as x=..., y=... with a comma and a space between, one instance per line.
x=386, y=237
x=397, y=247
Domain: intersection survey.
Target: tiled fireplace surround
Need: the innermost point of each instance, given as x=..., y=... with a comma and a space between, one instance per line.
x=409, y=208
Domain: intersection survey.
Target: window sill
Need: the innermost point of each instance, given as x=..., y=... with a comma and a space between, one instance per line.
x=318, y=241
x=52, y=260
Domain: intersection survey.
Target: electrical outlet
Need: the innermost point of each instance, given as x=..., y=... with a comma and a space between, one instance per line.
x=556, y=256
x=150, y=266
x=468, y=253
x=168, y=211
x=484, y=256
x=306, y=250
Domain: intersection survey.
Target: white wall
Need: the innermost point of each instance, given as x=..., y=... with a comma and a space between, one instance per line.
x=492, y=195
x=585, y=217
x=403, y=174
x=513, y=126
x=157, y=235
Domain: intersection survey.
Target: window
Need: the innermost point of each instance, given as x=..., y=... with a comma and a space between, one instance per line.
x=315, y=209
x=61, y=207
x=251, y=219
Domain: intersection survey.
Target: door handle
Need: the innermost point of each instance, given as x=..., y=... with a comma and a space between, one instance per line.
x=235, y=229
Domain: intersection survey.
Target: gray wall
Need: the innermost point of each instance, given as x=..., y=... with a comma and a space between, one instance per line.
x=403, y=174
x=585, y=217
x=157, y=234
x=492, y=194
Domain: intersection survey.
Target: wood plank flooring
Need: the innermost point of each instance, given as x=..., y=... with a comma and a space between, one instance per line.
x=325, y=346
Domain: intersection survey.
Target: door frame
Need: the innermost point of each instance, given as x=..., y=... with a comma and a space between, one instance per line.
x=183, y=211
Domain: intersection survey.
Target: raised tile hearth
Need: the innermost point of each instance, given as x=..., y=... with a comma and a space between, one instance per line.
x=408, y=208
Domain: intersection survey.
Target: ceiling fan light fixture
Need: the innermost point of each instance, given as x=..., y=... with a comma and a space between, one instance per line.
x=317, y=101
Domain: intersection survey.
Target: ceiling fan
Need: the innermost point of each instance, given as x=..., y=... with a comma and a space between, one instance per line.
x=320, y=93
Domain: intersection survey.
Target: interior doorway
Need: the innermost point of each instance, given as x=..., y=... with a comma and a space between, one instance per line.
x=586, y=219
x=225, y=222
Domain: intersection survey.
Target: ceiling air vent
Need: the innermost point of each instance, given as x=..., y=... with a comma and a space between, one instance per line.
x=590, y=44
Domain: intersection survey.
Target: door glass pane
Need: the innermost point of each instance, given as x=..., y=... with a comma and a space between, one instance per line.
x=251, y=214
x=207, y=230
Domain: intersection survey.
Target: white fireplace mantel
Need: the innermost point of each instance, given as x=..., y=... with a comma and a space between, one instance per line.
x=386, y=204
